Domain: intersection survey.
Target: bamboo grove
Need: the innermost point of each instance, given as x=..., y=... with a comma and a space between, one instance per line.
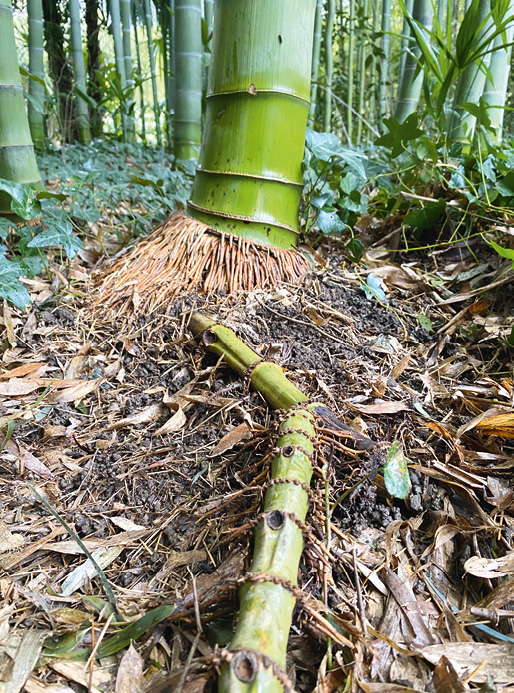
x=137, y=69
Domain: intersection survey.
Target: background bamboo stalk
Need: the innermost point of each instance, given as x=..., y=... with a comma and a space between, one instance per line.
x=188, y=78
x=153, y=76
x=79, y=73
x=329, y=63
x=495, y=88
x=385, y=42
x=114, y=9
x=350, y=77
x=316, y=49
x=471, y=81
x=127, y=59
x=36, y=104
x=410, y=82
x=139, y=73
x=404, y=46
x=17, y=158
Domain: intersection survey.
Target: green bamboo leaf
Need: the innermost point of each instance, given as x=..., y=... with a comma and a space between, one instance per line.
x=503, y=252
x=134, y=630
x=396, y=473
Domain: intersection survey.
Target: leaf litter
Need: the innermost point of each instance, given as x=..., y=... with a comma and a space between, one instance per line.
x=154, y=453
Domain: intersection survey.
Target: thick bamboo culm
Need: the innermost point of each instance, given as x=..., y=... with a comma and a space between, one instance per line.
x=153, y=76
x=316, y=50
x=17, y=158
x=249, y=177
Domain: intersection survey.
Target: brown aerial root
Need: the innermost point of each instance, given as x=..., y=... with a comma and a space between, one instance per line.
x=184, y=255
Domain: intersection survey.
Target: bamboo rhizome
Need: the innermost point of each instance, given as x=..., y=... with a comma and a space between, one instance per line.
x=17, y=158
x=256, y=656
x=241, y=225
x=36, y=104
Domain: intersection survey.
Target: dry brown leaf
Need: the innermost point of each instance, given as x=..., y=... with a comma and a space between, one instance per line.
x=391, y=407
x=148, y=415
x=502, y=425
x=80, y=673
x=8, y=541
x=33, y=464
x=174, y=423
x=16, y=387
x=24, y=369
x=490, y=567
x=400, y=366
x=397, y=277
x=445, y=678
x=129, y=678
x=232, y=438
x=75, y=392
x=385, y=688
x=9, y=326
x=465, y=657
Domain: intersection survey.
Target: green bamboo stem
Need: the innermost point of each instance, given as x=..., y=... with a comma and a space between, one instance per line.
x=351, y=70
x=441, y=9
x=363, y=53
x=36, y=105
x=410, y=83
x=471, y=82
x=268, y=378
x=127, y=59
x=17, y=158
x=384, y=61
x=79, y=73
x=188, y=78
x=139, y=72
x=495, y=89
x=168, y=30
x=405, y=37
x=329, y=63
x=316, y=50
x=151, y=56
x=265, y=608
x=114, y=9
x=249, y=177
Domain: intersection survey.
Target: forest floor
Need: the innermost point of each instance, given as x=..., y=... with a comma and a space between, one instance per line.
x=154, y=453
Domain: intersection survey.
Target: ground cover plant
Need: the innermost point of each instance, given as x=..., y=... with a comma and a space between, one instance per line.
x=256, y=408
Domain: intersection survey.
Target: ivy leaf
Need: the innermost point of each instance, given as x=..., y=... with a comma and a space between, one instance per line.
x=425, y=322
x=399, y=134
x=10, y=288
x=57, y=233
x=356, y=249
x=329, y=222
x=5, y=226
x=374, y=288
x=23, y=202
x=427, y=216
x=396, y=473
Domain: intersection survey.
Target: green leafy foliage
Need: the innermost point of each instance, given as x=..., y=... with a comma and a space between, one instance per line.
x=396, y=473
x=123, y=189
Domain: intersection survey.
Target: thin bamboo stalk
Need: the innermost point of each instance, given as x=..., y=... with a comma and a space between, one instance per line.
x=17, y=158
x=36, y=105
x=151, y=56
x=363, y=53
x=351, y=71
x=385, y=60
x=79, y=73
x=169, y=55
x=139, y=72
x=495, y=89
x=316, y=49
x=405, y=38
x=114, y=9
x=127, y=59
x=188, y=78
x=249, y=177
x=329, y=63
x=410, y=83
x=471, y=82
